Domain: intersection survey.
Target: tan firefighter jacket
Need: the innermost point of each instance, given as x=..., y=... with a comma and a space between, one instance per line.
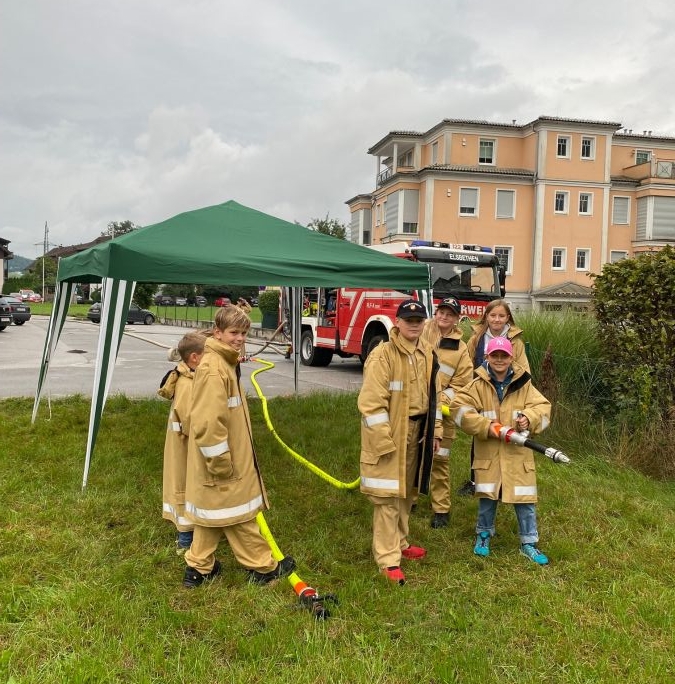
x=383, y=403
x=454, y=372
x=502, y=471
x=224, y=486
x=515, y=336
x=177, y=387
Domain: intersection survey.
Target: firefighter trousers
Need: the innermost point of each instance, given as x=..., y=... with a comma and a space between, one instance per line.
x=247, y=543
x=391, y=514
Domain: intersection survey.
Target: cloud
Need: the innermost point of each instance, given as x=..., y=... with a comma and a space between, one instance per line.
x=141, y=109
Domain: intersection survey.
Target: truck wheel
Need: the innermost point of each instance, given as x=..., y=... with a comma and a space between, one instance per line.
x=372, y=343
x=311, y=355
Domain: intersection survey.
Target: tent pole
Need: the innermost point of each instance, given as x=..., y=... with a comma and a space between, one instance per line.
x=296, y=308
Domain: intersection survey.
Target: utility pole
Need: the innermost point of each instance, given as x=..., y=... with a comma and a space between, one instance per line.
x=45, y=245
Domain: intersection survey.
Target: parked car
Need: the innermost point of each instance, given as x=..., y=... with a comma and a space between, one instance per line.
x=254, y=301
x=26, y=294
x=181, y=301
x=5, y=316
x=20, y=310
x=163, y=300
x=135, y=315
x=35, y=297
x=197, y=300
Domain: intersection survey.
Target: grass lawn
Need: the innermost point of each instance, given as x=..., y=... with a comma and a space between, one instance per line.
x=91, y=588
x=181, y=313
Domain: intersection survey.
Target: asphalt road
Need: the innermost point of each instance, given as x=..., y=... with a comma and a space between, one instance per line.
x=141, y=363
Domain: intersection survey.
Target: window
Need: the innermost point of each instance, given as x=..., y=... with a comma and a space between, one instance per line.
x=409, y=227
x=585, y=202
x=620, y=211
x=468, y=201
x=617, y=255
x=561, y=199
x=506, y=204
x=643, y=156
x=406, y=159
x=505, y=256
x=378, y=214
x=434, y=153
x=564, y=145
x=486, y=151
x=559, y=259
x=366, y=237
x=583, y=259
x=588, y=148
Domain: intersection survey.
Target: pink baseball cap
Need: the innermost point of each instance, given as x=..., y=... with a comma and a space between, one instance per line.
x=499, y=344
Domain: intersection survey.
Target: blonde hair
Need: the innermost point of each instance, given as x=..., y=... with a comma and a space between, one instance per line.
x=483, y=324
x=192, y=342
x=232, y=317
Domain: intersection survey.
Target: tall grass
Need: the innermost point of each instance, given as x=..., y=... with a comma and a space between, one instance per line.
x=91, y=584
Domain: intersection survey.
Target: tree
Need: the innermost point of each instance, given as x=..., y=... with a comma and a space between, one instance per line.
x=143, y=294
x=117, y=228
x=328, y=226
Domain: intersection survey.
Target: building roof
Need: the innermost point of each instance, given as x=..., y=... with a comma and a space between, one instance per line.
x=482, y=123
x=61, y=251
x=529, y=173
x=564, y=290
x=363, y=197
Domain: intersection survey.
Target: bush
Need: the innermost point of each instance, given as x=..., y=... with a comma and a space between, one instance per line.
x=635, y=308
x=268, y=301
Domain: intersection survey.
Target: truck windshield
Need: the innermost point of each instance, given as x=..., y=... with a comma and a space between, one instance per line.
x=460, y=280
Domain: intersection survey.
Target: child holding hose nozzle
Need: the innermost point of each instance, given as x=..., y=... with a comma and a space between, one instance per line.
x=500, y=395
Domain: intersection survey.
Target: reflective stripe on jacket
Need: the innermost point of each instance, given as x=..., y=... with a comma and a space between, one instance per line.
x=224, y=486
x=502, y=471
x=384, y=405
x=177, y=387
x=454, y=372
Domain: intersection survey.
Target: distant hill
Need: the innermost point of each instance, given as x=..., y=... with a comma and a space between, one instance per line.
x=19, y=263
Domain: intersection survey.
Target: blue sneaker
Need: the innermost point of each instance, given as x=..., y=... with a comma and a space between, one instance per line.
x=534, y=554
x=482, y=547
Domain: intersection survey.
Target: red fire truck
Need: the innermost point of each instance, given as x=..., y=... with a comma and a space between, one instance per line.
x=352, y=321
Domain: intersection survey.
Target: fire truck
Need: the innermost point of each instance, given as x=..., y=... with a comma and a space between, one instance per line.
x=350, y=321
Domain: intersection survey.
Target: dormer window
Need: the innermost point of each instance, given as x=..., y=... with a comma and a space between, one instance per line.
x=486, y=151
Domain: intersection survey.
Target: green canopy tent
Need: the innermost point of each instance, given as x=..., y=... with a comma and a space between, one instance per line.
x=226, y=243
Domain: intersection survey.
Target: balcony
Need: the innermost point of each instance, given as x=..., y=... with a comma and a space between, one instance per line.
x=654, y=168
x=383, y=177
x=386, y=175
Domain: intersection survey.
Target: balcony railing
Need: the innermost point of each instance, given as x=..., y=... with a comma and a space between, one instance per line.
x=383, y=177
x=654, y=168
x=664, y=169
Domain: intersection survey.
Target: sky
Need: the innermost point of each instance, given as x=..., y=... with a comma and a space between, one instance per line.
x=141, y=109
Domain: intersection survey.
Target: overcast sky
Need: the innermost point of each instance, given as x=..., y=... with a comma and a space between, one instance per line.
x=141, y=109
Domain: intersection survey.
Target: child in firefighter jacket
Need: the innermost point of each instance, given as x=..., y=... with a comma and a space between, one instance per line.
x=176, y=386
x=224, y=488
x=502, y=393
x=455, y=371
x=401, y=429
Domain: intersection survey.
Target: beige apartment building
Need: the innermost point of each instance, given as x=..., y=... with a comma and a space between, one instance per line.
x=555, y=198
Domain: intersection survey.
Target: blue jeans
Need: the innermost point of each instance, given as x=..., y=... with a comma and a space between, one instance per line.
x=185, y=539
x=525, y=512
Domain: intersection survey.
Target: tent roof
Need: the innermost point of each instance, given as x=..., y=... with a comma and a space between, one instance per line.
x=234, y=244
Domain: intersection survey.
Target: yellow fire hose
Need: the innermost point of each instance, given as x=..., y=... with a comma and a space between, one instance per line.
x=309, y=597
x=308, y=464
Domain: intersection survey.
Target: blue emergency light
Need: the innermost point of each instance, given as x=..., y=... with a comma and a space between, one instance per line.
x=447, y=245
